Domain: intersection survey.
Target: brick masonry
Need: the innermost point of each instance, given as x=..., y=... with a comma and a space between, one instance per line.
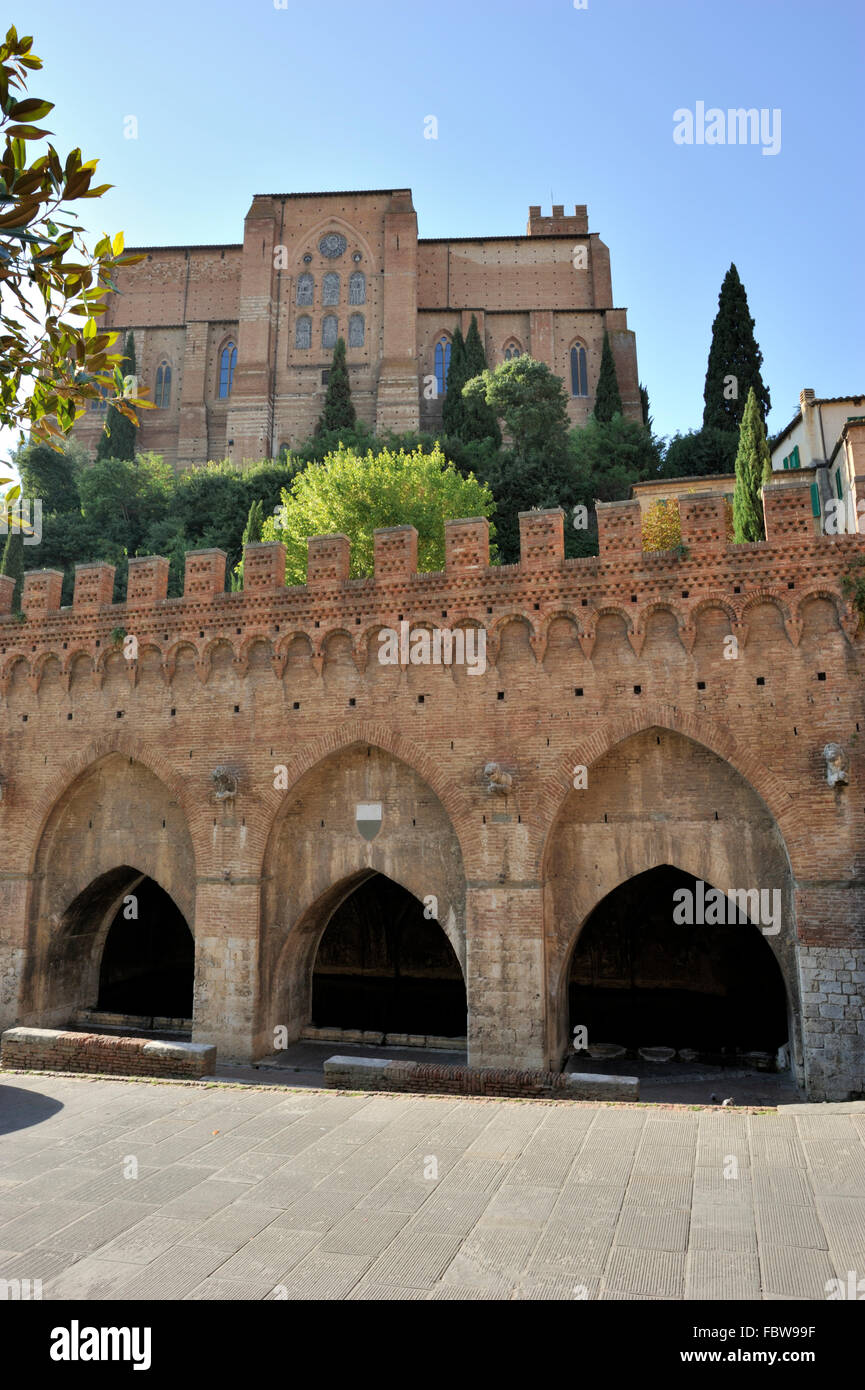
x=541, y=293
x=425, y=1078
x=619, y=664
x=51, y=1049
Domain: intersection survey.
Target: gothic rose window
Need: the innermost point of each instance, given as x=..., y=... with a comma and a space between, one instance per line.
x=305, y=287
x=356, y=330
x=332, y=245
x=330, y=288
x=303, y=332
x=357, y=288
x=329, y=331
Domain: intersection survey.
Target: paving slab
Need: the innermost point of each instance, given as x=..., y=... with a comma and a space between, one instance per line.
x=258, y=1194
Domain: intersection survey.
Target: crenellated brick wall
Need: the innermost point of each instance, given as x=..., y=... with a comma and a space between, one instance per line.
x=698, y=687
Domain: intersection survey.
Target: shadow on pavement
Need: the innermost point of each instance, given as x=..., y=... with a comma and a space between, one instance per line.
x=20, y=1108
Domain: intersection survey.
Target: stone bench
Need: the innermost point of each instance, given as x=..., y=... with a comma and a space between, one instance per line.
x=382, y=1074
x=63, y=1049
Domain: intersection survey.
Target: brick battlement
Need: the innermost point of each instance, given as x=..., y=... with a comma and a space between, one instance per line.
x=790, y=566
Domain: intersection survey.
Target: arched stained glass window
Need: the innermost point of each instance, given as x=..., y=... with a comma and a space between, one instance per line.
x=356, y=330
x=227, y=364
x=305, y=289
x=512, y=349
x=162, y=395
x=579, y=377
x=442, y=364
x=303, y=332
x=357, y=288
x=330, y=288
x=329, y=331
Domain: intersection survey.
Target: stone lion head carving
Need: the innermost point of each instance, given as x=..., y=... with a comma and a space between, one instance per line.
x=225, y=783
x=497, y=780
x=837, y=765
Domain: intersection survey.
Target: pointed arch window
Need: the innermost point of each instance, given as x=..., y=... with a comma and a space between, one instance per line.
x=356, y=330
x=357, y=288
x=330, y=288
x=442, y=363
x=579, y=376
x=305, y=289
x=227, y=364
x=512, y=349
x=329, y=331
x=162, y=394
x=303, y=332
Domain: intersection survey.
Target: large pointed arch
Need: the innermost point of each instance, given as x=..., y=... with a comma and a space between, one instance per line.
x=657, y=796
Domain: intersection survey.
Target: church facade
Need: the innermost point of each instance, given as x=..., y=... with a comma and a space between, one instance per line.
x=233, y=343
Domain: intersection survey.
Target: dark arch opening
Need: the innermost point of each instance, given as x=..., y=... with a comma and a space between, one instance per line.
x=639, y=979
x=384, y=967
x=148, y=961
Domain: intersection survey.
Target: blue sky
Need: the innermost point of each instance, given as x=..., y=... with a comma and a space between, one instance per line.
x=536, y=102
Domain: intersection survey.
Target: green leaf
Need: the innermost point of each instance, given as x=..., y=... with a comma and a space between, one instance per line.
x=27, y=132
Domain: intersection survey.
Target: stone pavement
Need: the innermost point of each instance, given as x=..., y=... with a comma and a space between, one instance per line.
x=251, y=1193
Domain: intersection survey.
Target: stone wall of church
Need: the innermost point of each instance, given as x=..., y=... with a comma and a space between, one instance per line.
x=313, y=267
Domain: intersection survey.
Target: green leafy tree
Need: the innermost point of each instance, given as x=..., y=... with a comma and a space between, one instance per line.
x=699, y=452
x=601, y=463
x=53, y=359
x=338, y=411
x=608, y=399
x=212, y=506
x=752, y=461
x=531, y=401
x=452, y=405
x=478, y=419
x=360, y=438
x=356, y=494
x=735, y=360
x=120, y=432
x=51, y=474
x=121, y=498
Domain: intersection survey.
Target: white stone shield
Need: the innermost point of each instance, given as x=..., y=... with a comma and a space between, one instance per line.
x=367, y=817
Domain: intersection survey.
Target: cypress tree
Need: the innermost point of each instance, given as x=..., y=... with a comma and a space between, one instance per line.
x=752, y=460
x=338, y=411
x=254, y=523
x=645, y=407
x=118, y=439
x=478, y=420
x=13, y=563
x=735, y=360
x=608, y=401
x=251, y=536
x=453, y=406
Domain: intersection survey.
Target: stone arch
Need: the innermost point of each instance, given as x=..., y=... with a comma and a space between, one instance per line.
x=309, y=867
x=309, y=238
x=112, y=808
x=660, y=796
x=315, y=932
